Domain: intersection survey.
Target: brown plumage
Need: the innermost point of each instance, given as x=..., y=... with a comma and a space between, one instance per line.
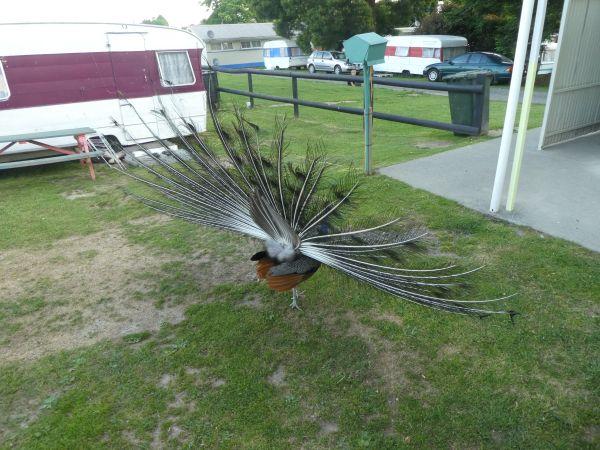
x=282, y=283
x=263, y=266
x=283, y=276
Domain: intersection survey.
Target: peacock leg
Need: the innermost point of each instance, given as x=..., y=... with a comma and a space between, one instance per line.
x=295, y=296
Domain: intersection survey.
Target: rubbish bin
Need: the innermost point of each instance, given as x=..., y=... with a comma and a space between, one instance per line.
x=468, y=108
x=211, y=83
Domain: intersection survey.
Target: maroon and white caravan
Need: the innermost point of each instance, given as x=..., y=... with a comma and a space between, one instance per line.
x=56, y=76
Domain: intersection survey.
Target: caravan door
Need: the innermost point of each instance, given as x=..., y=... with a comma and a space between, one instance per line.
x=131, y=65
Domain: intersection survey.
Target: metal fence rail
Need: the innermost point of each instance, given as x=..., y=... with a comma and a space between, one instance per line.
x=473, y=129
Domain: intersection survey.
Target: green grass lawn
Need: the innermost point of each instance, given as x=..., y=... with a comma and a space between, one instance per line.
x=121, y=329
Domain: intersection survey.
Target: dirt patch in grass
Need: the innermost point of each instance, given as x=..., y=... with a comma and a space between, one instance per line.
x=400, y=371
x=433, y=144
x=74, y=195
x=80, y=290
x=277, y=378
x=155, y=219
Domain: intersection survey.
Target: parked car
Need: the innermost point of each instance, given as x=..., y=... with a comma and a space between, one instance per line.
x=330, y=61
x=500, y=66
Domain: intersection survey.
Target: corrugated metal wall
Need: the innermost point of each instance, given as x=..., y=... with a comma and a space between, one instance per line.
x=573, y=107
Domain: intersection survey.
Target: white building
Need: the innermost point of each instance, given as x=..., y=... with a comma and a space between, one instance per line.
x=235, y=45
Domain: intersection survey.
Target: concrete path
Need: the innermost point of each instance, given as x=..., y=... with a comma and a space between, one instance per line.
x=559, y=193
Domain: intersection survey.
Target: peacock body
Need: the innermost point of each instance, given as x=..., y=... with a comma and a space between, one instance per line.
x=300, y=210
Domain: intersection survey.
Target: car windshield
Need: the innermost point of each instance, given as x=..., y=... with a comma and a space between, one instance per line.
x=499, y=58
x=338, y=55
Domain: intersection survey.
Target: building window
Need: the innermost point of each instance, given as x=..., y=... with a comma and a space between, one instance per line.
x=251, y=44
x=175, y=69
x=4, y=91
x=226, y=45
x=215, y=47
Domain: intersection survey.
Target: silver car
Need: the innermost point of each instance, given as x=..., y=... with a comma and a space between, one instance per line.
x=330, y=61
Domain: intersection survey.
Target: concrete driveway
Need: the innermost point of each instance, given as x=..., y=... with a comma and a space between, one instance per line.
x=559, y=192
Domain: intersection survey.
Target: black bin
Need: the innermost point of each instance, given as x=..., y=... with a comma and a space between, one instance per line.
x=211, y=84
x=468, y=108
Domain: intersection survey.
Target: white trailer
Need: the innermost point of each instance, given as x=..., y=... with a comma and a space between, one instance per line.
x=56, y=76
x=410, y=54
x=283, y=54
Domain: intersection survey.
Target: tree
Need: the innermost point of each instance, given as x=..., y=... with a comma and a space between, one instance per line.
x=390, y=14
x=158, y=20
x=326, y=23
x=229, y=11
x=329, y=22
x=491, y=26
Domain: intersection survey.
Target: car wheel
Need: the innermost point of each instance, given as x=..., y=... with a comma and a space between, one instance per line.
x=433, y=75
x=337, y=70
x=311, y=68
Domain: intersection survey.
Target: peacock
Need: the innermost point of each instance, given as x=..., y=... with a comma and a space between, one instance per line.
x=301, y=210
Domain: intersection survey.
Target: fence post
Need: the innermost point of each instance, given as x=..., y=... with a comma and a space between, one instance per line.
x=368, y=113
x=295, y=96
x=250, y=89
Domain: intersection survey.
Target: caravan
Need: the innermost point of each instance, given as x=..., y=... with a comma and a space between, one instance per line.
x=56, y=76
x=283, y=54
x=410, y=54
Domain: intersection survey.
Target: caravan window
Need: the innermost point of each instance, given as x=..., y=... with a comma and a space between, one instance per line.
x=428, y=52
x=4, y=91
x=451, y=52
x=401, y=51
x=296, y=51
x=415, y=52
x=175, y=68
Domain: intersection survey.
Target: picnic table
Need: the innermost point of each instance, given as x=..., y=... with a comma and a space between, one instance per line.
x=82, y=151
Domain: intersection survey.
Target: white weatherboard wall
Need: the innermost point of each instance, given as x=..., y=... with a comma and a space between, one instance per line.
x=573, y=107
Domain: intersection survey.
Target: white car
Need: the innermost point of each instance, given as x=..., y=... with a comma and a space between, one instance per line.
x=330, y=61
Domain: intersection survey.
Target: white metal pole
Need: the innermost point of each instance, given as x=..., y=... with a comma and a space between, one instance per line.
x=513, y=101
x=534, y=53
